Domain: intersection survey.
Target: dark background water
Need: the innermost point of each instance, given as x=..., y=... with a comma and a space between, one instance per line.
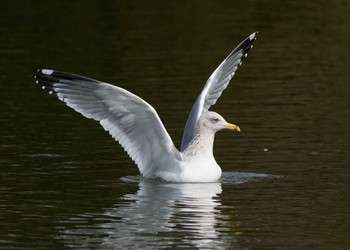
x=65, y=183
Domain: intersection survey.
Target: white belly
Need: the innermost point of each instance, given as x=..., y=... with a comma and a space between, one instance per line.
x=198, y=169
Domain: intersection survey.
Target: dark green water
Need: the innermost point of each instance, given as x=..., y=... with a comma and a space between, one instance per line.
x=64, y=183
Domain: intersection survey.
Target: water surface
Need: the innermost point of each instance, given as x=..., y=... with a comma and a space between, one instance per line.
x=66, y=184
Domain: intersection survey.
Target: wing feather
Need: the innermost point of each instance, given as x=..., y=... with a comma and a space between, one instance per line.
x=129, y=120
x=216, y=84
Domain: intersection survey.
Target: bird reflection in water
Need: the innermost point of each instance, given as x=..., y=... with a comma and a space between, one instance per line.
x=159, y=214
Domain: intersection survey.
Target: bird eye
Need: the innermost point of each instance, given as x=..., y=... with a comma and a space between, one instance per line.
x=214, y=120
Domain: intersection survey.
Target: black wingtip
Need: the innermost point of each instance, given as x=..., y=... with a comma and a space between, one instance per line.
x=253, y=36
x=245, y=46
x=60, y=75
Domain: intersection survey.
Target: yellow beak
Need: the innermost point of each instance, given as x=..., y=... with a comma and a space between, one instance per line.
x=233, y=127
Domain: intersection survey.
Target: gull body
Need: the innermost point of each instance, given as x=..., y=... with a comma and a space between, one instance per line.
x=197, y=162
x=136, y=125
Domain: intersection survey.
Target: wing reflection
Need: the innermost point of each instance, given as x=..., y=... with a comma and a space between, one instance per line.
x=160, y=214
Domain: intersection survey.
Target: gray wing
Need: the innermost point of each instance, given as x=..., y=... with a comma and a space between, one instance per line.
x=215, y=85
x=129, y=119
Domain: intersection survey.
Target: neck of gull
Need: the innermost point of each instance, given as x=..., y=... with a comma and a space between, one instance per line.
x=201, y=144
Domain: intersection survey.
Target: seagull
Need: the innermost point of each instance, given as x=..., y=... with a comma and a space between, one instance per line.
x=136, y=125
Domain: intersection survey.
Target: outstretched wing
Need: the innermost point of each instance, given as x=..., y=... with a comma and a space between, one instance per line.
x=130, y=120
x=215, y=85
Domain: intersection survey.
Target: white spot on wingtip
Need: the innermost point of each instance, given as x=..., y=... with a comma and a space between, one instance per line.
x=47, y=71
x=252, y=36
x=51, y=92
x=43, y=87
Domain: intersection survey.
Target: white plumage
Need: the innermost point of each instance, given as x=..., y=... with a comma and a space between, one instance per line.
x=137, y=127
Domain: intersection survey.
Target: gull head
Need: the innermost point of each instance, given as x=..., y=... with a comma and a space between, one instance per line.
x=215, y=122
